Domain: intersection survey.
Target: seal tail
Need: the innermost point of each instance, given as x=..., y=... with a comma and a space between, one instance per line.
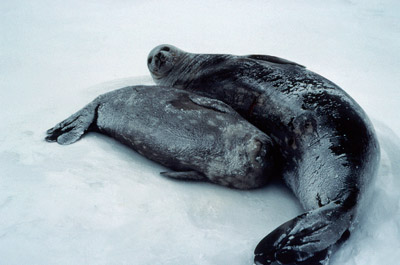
x=308, y=239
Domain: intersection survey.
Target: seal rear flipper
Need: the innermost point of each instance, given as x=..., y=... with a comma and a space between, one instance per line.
x=72, y=129
x=184, y=175
x=272, y=59
x=306, y=239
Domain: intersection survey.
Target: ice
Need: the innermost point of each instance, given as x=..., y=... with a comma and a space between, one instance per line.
x=97, y=202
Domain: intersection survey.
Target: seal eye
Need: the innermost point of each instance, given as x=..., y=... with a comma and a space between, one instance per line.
x=149, y=60
x=167, y=49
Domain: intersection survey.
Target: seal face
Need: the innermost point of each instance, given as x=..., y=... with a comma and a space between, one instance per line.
x=162, y=59
x=198, y=137
x=325, y=140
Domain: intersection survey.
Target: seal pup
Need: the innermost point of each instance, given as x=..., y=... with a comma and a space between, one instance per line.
x=326, y=143
x=200, y=138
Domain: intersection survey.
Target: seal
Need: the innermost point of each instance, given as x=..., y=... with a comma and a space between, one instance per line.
x=199, y=138
x=327, y=145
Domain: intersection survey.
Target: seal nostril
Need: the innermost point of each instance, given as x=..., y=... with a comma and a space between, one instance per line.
x=160, y=57
x=167, y=49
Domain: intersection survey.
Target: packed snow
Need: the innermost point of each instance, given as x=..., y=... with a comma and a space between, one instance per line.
x=98, y=202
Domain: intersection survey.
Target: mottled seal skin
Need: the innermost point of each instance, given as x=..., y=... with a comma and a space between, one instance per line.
x=327, y=145
x=198, y=137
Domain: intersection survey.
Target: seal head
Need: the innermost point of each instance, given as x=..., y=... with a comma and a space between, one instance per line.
x=162, y=59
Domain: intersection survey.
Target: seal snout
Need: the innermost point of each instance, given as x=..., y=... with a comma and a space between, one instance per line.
x=160, y=58
x=258, y=152
x=257, y=161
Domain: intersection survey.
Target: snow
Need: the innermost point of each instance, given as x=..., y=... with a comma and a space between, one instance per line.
x=97, y=202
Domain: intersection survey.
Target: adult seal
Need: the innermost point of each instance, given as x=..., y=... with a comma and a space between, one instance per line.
x=197, y=137
x=326, y=143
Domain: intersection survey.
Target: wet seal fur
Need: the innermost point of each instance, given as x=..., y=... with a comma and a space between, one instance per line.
x=326, y=143
x=200, y=138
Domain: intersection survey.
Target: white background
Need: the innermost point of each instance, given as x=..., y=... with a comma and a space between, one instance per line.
x=97, y=202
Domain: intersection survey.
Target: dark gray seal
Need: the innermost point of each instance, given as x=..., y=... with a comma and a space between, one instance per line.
x=327, y=145
x=198, y=137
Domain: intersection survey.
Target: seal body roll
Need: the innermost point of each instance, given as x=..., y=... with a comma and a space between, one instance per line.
x=200, y=138
x=326, y=142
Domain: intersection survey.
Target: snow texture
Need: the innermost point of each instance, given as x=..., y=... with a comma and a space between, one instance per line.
x=98, y=202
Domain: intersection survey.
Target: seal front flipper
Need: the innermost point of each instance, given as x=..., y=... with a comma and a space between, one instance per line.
x=72, y=129
x=212, y=104
x=306, y=239
x=184, y=175
x=272, y=59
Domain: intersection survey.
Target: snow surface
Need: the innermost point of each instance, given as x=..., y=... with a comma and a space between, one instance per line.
x=97, y=202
